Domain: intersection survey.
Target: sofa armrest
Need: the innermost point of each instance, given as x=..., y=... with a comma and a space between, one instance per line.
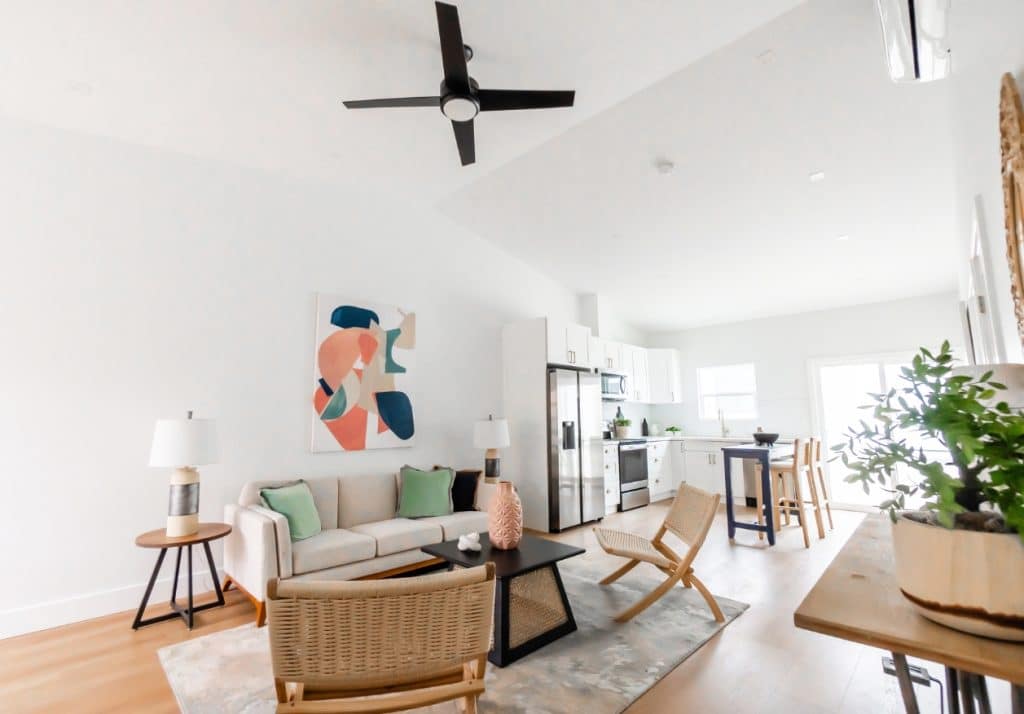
x=250, y=550
x=284, y=540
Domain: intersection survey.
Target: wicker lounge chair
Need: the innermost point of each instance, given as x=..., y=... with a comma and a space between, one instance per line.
x=689, y=518
x=381, y=646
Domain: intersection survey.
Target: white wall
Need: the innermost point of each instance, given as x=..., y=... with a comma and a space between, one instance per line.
x=136, y=285
x=986, y=40
x=780, y=348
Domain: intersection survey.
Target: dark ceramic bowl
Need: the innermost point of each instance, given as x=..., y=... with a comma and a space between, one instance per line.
x=764, y=438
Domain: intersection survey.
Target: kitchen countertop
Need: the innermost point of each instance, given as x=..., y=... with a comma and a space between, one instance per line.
x=695, y=437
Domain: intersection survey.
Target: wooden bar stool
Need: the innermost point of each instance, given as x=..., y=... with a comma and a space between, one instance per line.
x=815, y=467
x=785, y=474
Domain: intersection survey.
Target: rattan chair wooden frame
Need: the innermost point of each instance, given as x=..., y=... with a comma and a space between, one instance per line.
x=381, y=646
x=689, y=519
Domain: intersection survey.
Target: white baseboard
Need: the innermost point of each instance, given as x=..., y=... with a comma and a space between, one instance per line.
x=43, y=616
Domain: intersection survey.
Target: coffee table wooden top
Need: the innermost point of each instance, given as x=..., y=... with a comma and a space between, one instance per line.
x=532, y=553
x=159, y=539
x=857, y=599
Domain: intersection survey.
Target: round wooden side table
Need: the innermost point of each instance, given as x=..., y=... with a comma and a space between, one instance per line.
x=159, y=539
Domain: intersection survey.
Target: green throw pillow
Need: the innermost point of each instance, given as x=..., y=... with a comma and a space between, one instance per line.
x=424, y=493
x=295, y=503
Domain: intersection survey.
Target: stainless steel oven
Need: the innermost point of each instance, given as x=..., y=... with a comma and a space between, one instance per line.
x=633, y=475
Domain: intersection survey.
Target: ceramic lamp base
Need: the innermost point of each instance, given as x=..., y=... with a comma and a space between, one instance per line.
x=183, y=503
x=492, y=466
x=178, y=526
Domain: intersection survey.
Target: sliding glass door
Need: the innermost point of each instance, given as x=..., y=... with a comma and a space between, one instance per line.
x=839, y=388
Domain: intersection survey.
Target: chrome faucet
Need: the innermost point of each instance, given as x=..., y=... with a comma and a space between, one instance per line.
x=721, y=423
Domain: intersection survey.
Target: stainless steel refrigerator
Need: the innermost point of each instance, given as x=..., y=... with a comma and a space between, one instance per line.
x=575, y=462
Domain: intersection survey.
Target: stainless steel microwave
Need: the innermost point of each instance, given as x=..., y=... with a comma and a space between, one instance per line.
x=614, y=386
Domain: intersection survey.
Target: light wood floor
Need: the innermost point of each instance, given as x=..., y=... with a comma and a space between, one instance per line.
x=760, y=663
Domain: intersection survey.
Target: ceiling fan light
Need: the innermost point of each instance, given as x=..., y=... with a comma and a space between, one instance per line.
x=460, y=108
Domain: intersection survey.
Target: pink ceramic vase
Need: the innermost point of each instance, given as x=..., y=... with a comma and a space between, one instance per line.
x=505, y=517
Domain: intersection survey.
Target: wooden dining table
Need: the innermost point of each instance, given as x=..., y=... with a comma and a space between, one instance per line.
x=857, y=598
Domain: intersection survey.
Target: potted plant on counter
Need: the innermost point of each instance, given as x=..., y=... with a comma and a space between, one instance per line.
x=953, y=434
x=622, y=428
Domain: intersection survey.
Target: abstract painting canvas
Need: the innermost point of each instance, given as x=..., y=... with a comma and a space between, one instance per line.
x=362, y=374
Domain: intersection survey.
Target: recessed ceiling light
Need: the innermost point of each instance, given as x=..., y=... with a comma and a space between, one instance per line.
x=843, y=237
x=766, y=57
x=817, y=176
x=665, y=166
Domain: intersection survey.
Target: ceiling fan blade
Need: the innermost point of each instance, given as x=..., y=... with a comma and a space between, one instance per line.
x=394, y=102
x=453, y=53
x=496, y=100
x=464, y=138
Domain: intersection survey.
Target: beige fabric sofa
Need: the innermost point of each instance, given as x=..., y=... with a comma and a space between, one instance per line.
x=361, y=536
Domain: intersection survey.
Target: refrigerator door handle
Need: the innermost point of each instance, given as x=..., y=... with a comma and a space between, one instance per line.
x=568, y=435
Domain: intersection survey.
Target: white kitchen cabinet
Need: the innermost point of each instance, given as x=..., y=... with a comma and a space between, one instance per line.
x=568, y=344
x=637, y=370
x=611, y=478
x=677, y=463
x=699, y=471
x=705, y=468
x=597, y=352
x=659, y=476
x=613, y=356
x=664, y=384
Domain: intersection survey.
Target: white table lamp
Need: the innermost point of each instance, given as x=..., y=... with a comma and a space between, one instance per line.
x=183, y=444
x=491, y=434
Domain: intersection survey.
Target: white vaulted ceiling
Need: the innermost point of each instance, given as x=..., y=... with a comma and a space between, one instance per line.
x=260, y=83
x=736, y=231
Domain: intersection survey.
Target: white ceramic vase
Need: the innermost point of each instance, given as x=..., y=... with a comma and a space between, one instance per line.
x=968, y=580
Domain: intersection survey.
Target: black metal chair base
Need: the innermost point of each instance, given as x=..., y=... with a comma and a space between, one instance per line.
x=187, y=614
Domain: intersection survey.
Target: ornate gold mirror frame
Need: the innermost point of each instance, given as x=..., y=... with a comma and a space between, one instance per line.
x=1011, y=139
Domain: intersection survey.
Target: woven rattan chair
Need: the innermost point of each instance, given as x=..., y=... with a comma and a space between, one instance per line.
x=383, y=645
x=689, y=519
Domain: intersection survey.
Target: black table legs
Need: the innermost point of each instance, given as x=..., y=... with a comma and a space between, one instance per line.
x=966, y=693
x=187, y=614
x=763, y=457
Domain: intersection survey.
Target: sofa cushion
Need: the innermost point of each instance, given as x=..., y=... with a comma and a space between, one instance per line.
x=329, y=549
x=464, y=488
x=397, y=534
x=366, y=499
x=459, y=523
x=324, y=490
x=295, y=503
x=422, y=494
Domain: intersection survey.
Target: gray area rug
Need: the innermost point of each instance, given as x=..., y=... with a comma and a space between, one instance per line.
x=602, y=667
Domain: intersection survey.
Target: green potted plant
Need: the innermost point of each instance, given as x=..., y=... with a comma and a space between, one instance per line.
x=953, y=433
x=622, y=428
x=674, y=431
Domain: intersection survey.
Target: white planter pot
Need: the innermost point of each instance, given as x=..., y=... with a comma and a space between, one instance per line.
x=621, y=432
x=967, y=580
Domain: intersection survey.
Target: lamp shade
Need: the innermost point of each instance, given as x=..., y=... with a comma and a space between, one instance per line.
x=184, y=442
x=491, y=434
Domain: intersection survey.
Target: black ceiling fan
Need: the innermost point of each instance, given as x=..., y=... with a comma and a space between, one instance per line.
x=461, y=98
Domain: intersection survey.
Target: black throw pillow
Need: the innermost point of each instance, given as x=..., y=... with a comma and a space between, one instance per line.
x=464, y=489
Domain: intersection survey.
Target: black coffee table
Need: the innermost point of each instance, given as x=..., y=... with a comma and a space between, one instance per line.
x=530, y=606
